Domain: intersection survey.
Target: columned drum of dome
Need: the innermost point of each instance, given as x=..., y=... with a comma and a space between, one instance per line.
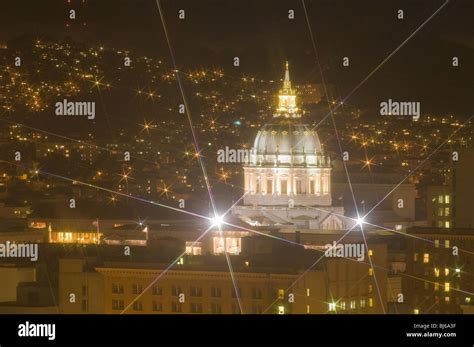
x=288, y=175
x=291, y=157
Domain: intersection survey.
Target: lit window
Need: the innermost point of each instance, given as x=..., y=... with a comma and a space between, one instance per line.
x=468, y=300
x=446, y=271
x=436, y=242
x=307, y=291
x=371, y=272
x=446, y=243
x=353, y=304
x=446, y=298
x=447, y=224
x=416, y=311
x=332, y=306
x=436, y=286
x=415, y=256
x=362, y=303
x=446, y=199
x=440, y=199
x=371, y=302
x=281, y=309
x=447, y=211
x=308, y=309
x=281, y=293
x=218, y=245
x=436, y=272
x=446, y=286
x=440, y=212
x=193, y=248
x=343, y=305
x=371, y=288
x=231, y=244
x=371, y=253
x=426, y=258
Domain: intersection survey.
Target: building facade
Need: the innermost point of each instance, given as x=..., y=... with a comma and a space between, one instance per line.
x=440, y=266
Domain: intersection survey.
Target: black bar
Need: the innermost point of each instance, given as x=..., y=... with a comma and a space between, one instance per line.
x=381, y=330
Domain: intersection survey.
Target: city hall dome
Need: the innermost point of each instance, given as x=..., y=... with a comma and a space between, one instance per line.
x=287, y=142
x=288, y=173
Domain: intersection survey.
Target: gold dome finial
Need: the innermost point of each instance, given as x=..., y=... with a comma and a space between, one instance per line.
x=287, y=98
x=287, y=82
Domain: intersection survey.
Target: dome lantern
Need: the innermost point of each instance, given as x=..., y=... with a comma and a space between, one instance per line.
x=287, y=107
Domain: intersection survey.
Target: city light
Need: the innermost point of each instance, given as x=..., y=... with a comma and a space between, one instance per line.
x=217, y=221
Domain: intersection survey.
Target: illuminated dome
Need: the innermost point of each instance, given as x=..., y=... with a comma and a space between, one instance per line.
x=287, y=144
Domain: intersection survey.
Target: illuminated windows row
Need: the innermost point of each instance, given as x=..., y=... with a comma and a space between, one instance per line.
x=352, y=304
x=444, y=212
x=446, y=243
x=316, y=186
x=445, y=224
x=444, y=199
x=447, y=271
x=447, y=286
x=426, y=256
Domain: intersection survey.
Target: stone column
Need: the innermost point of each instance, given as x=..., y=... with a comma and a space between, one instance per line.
x=290, y=182
x=329, y=181
x=247, y=184
x=317, y=180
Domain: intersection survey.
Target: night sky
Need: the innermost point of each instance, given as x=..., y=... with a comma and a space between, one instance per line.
x=260, y=33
